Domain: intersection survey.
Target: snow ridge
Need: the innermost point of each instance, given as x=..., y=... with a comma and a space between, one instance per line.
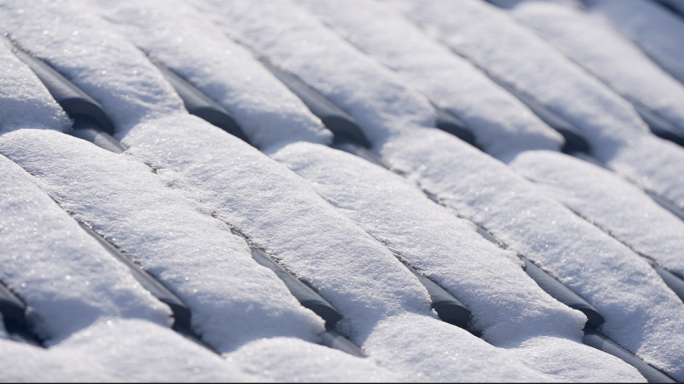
x=458, y=174
x=494, y=41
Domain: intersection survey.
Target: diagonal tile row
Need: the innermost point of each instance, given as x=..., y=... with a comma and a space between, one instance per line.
x=373, y=230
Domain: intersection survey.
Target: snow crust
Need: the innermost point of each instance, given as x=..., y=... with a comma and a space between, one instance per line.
x=592, y=43
x=392, y=115
x=175, y=33
x=630, y=215
x=589, y=190
x=501, y=123
x=22, y=100
x=566, y=246
x=329, y=158
x=231, y=297
x=494, y=41
x=508, y=306
x=245, y=188
x=597, y=195
x=97, y=321
x=110, y=94
x=656, y=30
x=167, y=219
x=68, y=280
x=368, y=290
x=117, y=350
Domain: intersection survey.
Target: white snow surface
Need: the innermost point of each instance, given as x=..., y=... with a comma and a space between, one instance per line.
x=22, y=100
x=191, y=126
x=114, y=351
x=194, y=254
x=203, y=172
x=501, y=123
x=506, y=304
x=284, y=156
x=368, y=291
x=243, y=187
x=176, y=34
x=329, y=157
x=232, y=299
x=566, y=246
x=97, y=321
x=392, y=115
x=464, y=90
x=493, y=40
x=65, y=276
x=656, y=30
x=610, y=203
x=595, y=45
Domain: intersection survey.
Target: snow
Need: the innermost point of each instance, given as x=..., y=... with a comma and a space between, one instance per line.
x=508, y=306
x=83, y=302
x=493, y=40
x=116, y=350
x=588, y=262
x=656, y=30
x=444, y=247
x=364, y=289
x=329, y=158
x=68, y=280
x=592, y=43
x=177, y=35
x=232, y=299
x=502, y=125
x=23, y=101
x=396, y=118
x=117, y=215
x=610, y=203
x=585, y=188
x=171, y=201
x=219, y=178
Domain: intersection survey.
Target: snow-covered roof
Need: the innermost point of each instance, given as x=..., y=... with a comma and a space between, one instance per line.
x=318, y=190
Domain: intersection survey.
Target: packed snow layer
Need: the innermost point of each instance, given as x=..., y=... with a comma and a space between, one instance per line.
x=276, y=209
x=292, y=360
x=221, y=312
x=479, y=187
x=232, y=299
x=176, y=34
x=17, y=93
x=368, y=290
x=283, y=156
x=607, y=274
x=97, y=321
x=630, y=215
x=511, y=52
x=228, y=177
x=110, y=94
x=189, y=248
x=656, y=30
x=329, y=157
x=501, y=124
x=592, y=43
x=507, y=305
x=431, y=67
x=65, y=276
x=35, y=26
x=116, y=350
x=193, y=254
